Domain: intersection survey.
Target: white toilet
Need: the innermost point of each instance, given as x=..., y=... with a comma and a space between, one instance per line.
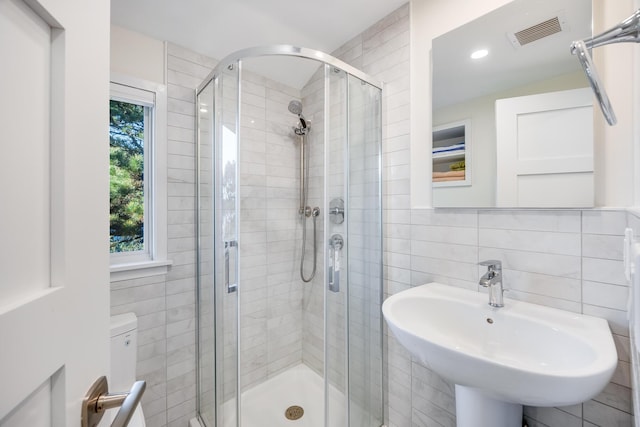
x=124, y=346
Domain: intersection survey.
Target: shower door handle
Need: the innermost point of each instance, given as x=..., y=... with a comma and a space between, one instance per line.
x=230, y=287
x=335, y=243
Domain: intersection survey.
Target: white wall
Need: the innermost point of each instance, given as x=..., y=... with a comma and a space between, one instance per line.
x=614, y=144
x=614, y=159
x=137, y=55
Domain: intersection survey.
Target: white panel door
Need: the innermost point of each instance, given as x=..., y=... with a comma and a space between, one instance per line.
x=545, y=150
x=54, y=277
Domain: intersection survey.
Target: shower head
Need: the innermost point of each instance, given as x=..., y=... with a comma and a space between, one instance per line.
x=295, y=107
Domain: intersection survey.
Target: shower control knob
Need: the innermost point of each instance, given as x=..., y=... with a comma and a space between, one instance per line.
x=336, y=210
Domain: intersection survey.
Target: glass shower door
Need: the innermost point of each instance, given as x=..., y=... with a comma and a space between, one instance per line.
x=353, y=230
x=226, y=247
x=364, y=233
x=218, y=403
x=205, y=343
x=337, y=278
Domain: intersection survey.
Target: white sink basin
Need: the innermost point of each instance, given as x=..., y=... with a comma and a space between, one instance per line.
x=522, y=353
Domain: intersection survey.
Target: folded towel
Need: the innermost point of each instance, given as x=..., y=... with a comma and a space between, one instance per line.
x=454, y=147
x=448, y=174
x=457, y=166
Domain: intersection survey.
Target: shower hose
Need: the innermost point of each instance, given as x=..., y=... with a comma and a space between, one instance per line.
x=304, y=244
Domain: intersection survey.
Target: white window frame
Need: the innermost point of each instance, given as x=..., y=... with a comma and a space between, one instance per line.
x=153, y=260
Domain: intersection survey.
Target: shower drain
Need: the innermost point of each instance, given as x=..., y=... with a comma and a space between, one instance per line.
x=294, y=412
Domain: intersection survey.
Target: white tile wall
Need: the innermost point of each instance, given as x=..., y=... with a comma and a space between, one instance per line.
x=577, y=266
x=271, y=295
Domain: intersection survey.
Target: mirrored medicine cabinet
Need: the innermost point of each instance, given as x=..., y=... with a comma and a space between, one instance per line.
x=513, y=128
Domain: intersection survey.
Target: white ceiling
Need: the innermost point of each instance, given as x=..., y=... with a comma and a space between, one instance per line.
x=217, y=28
x=458, y=78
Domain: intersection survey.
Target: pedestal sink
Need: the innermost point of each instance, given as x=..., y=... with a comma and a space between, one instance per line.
x=502, y=358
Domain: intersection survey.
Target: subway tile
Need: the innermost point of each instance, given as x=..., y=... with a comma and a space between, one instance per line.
x=179, y=415
x=562, y=304
x=189, y=55
x=179, y=92
x=532, y=220
x=616, y=396
x=623, y=347
x=622, y=374
x=182, y=148
x=150, y=365
x=553, y=417
x=175, y=133
x=142, y=281
x=448, y=268
x=603, y=270
x=531, y=241
x=603, y=415
x=137, y=294
x=605, y=295
x=445, y=234
x=467, y=218
x=604, y=222
x=535, y=262
x=181, y=396
x=141, y=308
x=426, y=414
x=542, y=284
x=602, y=246
x=181, y=79
x=462, y=253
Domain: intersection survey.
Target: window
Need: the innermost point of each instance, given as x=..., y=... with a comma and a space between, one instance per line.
x=137, y=168
x=128, y=156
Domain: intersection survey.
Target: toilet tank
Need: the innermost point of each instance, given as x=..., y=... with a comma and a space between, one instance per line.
x=124, y=344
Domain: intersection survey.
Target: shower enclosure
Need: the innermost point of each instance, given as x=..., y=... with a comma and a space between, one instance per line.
x=288, y=183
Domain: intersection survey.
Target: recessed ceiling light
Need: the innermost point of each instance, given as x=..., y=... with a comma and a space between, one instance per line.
x=203, y=110
x=480, y=53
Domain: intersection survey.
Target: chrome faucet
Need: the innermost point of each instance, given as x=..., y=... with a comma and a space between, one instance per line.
x=492, y=279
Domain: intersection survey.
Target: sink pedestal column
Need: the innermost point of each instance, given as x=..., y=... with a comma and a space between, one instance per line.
x=475, y=409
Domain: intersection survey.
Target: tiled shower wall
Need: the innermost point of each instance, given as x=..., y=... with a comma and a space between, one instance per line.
x=271, y=292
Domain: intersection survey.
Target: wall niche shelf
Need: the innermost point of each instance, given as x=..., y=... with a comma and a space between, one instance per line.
x=451, y=155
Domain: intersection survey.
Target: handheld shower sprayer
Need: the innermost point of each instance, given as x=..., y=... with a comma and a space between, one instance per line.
x=295, y=107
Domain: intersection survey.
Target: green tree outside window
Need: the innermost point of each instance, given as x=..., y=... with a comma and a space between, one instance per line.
x=126, y=140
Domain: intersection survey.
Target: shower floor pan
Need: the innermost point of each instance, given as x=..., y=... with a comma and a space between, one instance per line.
x=266, y=404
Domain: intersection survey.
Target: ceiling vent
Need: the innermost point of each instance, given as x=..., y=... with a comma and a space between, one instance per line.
x=538, y=31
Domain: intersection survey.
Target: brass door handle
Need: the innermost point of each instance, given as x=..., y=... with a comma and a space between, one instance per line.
x=98, y=400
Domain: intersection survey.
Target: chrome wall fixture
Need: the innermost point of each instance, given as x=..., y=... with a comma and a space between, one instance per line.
x=305, y=211
x=627, y=31
x=336, y=210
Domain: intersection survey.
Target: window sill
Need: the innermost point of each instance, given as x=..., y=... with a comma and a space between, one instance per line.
x=137, y=270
